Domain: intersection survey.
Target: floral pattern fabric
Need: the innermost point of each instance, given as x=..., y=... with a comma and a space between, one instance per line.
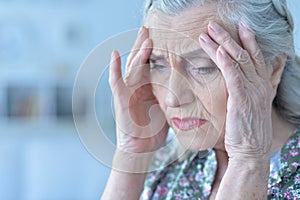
x=192, y=178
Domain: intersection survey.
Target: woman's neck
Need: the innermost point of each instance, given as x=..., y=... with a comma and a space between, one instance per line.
x=282, y=130
x=222, y=163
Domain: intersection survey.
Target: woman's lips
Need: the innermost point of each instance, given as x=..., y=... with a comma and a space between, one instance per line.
x=187, y=124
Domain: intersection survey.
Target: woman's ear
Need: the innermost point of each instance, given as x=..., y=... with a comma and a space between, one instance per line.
x=278, y=64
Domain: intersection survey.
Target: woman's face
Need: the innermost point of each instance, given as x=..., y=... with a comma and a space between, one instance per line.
x=187, y=84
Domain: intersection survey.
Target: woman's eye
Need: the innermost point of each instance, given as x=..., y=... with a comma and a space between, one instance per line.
x=204, y=70
x=156, y=66
x=203, y=74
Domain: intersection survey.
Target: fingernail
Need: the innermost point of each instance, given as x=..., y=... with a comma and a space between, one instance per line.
x=112, y=56
x=205, y=38
x=215, y=27
x=141, y=30
x=243, y=25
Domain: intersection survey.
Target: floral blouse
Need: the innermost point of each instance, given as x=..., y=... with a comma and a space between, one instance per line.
x=192, y=178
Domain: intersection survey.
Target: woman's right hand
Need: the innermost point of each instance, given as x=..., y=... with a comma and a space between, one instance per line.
x=138, y=130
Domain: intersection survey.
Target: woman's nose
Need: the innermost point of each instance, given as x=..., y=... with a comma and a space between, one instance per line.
x=179, y=91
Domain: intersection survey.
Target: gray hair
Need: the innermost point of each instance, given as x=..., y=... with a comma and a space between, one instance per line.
x=273, y=26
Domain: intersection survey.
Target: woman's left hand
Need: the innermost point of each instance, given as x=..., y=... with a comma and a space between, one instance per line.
x=248, y=132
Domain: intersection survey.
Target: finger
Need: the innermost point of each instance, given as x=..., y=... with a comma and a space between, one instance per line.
x=209, y=46
x=233, y=78
x=115, y=72
x=139, y=67
x=250, y=44
x=142, y=36
x=228, y=67
x=236, y=52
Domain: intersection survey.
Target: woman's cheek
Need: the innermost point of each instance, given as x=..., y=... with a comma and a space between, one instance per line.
x=220, y=105
x=159, y=92
x=217, y=105
x=159, y=86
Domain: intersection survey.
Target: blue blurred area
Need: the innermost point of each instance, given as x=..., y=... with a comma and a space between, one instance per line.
x=42, y=45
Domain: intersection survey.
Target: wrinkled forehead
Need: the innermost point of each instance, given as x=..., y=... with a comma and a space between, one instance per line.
x=179, y=33
x=172, y=42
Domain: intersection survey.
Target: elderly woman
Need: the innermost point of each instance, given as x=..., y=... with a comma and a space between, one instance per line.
x=226, y=78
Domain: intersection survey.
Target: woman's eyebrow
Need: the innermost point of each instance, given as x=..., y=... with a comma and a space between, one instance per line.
x=154, y=57
x=194, y=53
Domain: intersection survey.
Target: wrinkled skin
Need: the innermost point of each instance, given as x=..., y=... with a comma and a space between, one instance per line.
x=225, y=81
x=234, y=96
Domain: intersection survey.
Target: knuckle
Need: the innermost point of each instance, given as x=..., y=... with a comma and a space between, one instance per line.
x=226, y=39
x=127, y=80
x=242, y=56
x=257, y=55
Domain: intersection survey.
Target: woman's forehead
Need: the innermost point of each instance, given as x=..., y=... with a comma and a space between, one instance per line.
x=183, y=48
x=187, y=21
x=179, y=33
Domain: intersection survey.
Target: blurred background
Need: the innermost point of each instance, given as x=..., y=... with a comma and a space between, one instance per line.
x=42, y=45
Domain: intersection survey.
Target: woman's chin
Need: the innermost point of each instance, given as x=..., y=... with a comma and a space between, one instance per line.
x=197, y=144
x=198, y=141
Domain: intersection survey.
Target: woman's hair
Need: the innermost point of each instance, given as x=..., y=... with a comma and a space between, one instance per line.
x=273, y=26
